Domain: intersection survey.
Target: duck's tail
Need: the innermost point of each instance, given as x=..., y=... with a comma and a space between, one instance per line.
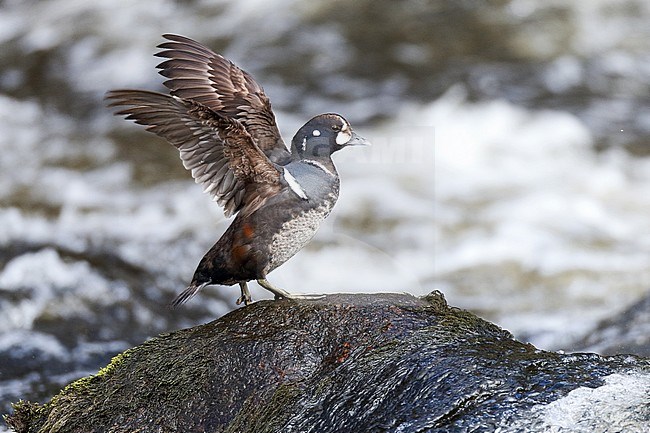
x=186, y=294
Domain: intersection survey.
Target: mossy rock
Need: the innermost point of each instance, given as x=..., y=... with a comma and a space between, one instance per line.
x=345, y=363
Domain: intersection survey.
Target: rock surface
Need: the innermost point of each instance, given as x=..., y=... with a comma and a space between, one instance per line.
x=346, y=363
x=626, y=332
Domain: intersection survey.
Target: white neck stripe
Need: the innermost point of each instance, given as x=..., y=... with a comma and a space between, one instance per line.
x=294, y=185
x=319, y=165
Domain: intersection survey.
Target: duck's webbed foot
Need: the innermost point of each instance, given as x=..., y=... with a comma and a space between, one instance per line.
x=245, y=294
x=281, y=293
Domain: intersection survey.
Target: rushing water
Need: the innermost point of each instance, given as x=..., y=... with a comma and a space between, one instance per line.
x=509, y=169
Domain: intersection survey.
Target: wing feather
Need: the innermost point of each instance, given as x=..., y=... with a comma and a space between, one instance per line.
x=221, y=155
x=195, y=72
x=218, y=117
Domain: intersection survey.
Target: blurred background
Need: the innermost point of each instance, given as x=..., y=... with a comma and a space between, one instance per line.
x=510, y=168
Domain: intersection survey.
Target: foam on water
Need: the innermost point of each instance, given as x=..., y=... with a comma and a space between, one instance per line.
x=53, y=281
x=511, y=190
x=621, y=402
x=524, y=187
x=533, y=228
x=516, y=217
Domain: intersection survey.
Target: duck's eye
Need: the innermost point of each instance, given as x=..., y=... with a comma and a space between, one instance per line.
x=336, y=128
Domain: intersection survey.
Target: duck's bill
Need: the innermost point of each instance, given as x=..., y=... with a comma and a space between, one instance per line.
x=357, y=140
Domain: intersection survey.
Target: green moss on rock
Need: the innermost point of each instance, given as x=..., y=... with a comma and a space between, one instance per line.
x=344, y=363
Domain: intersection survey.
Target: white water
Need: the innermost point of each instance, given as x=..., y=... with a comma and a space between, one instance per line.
x=620, y=403
x=508, y=210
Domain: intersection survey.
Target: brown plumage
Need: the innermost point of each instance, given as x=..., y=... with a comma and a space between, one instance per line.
x=221, y=122
x=209, y=96
x=198, y=74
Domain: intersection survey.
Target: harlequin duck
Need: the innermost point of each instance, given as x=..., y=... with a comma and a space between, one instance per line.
x=221, y=121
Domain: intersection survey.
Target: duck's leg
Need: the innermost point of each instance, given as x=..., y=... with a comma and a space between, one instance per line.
x=281, y=293
x=245, y=294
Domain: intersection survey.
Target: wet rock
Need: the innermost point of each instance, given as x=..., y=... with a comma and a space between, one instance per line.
x=347, y=363
x=627, y=332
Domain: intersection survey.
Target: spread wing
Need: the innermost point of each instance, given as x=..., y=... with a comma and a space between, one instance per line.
x=220, y=153
x=261, y=177
x=196, y=73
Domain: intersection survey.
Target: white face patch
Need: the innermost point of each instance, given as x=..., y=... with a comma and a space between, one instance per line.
x=344, y=135
x=294, y=185
x=315, y=133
